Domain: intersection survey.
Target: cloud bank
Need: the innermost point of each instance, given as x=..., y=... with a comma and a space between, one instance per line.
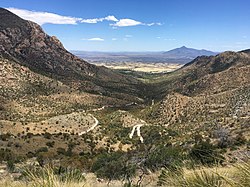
x=46, y=17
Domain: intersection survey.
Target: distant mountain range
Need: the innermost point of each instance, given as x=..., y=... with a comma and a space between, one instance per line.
x=180, y=55
x=188, y=53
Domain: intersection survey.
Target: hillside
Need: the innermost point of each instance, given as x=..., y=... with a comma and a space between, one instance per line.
x=206, y=96
x=205, y=75
x=26, y=43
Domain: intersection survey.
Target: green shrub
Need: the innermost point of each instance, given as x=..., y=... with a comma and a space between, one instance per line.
x=197, y=178
x=5, y=137
x=49, y=176
x=113, y=166
x=11, y=165
x=6, y=155
x=164, y=156
x=42, y=149
x=205, y=153
x=47, y=135
x=50, y=144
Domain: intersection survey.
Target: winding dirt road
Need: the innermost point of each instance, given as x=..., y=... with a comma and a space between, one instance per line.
x=91, y=128
x=137, y=127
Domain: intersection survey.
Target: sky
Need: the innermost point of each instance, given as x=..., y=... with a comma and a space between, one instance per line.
x=140, y=25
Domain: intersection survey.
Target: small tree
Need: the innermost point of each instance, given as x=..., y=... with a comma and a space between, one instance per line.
x=114, y=166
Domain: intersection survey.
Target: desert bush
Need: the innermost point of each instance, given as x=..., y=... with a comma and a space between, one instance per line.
x=47, y=135
x=52, y=177
x=10, y=165
x=197, y=178
x=50, y=144
x=164, y=156
x=42, y=149
x=61, y=151
x=5, y=137
x=205, y=153
x=113, y=166
x=223, y=135
x=6, y=154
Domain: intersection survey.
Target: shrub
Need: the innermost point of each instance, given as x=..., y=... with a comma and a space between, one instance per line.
x=196, y=178
x=164, y=156
x=6, y=155
x=50, y=144
x=5, y=137
x=113, y=166
x=61, y=151
x=49, y=176
x=205, y=153
x=11, y=165
x=42, y=149
x=47, y=135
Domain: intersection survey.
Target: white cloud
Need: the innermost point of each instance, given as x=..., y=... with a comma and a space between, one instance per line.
x=44, y=17
x=95, y=39
x=158, y=37
x=96, y=20
x=90, y=20
x=114, y=39
x=111, y=18
x=130, y=22
x=126, y=23
x=151, y=24
x=128, y=36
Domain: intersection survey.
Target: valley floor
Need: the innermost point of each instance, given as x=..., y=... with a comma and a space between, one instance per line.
x=141, y=66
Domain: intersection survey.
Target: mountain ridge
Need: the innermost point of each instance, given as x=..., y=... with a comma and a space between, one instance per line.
x=27, y=44
x=190, y=53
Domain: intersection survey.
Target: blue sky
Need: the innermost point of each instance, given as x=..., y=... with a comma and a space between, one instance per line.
x=141, y=25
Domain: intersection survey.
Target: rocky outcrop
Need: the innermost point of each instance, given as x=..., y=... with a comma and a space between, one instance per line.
x=31, y=46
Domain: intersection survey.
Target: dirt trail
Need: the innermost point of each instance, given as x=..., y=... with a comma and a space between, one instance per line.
x=91, y=128
x=137, y=128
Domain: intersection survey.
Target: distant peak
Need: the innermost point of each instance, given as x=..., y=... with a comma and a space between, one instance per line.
x=183, y=47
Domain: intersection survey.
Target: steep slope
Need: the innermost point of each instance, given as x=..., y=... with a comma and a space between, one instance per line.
x=223, y=72
x=25, y=43
x=206, y=75
x=206, y=96
x=189, y=53
x=29, y=96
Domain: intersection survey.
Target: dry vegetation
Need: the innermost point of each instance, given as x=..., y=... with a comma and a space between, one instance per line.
x=194, y=117
x=141, y=66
